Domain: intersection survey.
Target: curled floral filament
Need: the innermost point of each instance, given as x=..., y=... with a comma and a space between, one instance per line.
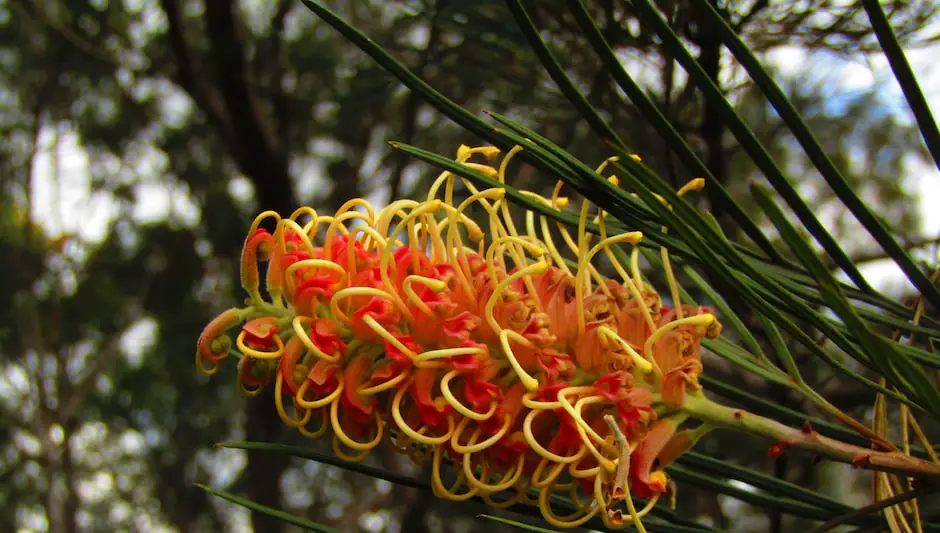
x=493, y=356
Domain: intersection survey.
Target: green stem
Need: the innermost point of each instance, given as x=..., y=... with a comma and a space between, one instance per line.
x=738, y=419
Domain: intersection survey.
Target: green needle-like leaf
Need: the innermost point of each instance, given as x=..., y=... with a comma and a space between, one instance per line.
x=748, y=281
x=280, y=515
x=773, y=485
x=813, y=149
x=668, y=522
x=519, y=525
x=556, y=71
x=760, y=499
x=673, y=139
x=905, y=76
x=648, y=13
x=892, y=363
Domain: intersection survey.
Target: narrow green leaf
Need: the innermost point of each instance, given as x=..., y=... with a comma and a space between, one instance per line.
x=557, y=72
x=748, y=281
x=817, y=155
x=760, y=499
x=748, y=361
x=519, y=525
x=781, y=349
x=707, y=256
x=303, y=452
x=437, y=100
x=639, y=220
x=776, y=486
x=649, y=15
x=258, y=508
x=893, y=316
x=440, y=102
x=893, y=364
x=905, y=76
x=673, y=139
x=676, y=523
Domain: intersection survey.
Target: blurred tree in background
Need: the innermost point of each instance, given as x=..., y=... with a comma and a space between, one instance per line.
x=141, y=136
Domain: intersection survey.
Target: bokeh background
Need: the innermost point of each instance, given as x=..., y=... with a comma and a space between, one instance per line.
x=140, y=137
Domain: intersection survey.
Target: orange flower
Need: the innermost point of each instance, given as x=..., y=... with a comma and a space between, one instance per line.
x=487, y=349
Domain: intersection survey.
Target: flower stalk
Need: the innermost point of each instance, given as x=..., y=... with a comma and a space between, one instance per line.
x=805, y=438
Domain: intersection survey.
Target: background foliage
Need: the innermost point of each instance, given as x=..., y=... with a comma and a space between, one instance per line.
x=143, y=135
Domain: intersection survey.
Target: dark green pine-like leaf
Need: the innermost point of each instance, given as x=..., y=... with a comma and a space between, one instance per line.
x=674, y=140
x=663, y=520
x=650, y=16
x=905, y=76
x=808, y=141
x=280, y=515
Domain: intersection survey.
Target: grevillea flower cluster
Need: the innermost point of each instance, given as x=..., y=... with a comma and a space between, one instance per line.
x=510, y=363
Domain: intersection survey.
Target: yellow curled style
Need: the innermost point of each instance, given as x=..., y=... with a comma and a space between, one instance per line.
x=705, y=320
x=531, y=384
x=317, y=404
x=421, y=454
x=541, y=450
x=583, y=473
x=550, y=474
x=303, y=210
x=473, y=446
x=323, y=426
x=645, y=510
x=338, y=224
x=424, y=359
x=416, y=435
x=609, y=465
x=385, y=334
x=641, y=364
x=382, y=387
x=250, y=392
x=400, y=442
x=529, y=401
x=298, y=324
x=349, y=442
x=290, y=420
x=520, y=496
x=255, y=354
x=354, y=291
x=575, y=519
x=338, y=450
x=507, y=480
x=437, y=485
x=435, y=285
x=575, y=412
x=281, y=242
x=256, y=223
x=425, y=208
x=313, y=263
x=457, y=405
x=360, y=202
x=525, y=272
x=202, y=368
